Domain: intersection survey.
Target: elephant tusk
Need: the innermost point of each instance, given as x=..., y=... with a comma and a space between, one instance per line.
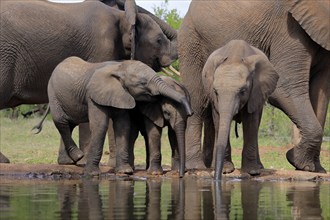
x=174, y=71
x=168, y=73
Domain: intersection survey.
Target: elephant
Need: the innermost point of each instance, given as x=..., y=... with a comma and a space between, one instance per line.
x=294, y=35
x=150, y=118
x=81, y=91
x=238, y=79
x=37, y=35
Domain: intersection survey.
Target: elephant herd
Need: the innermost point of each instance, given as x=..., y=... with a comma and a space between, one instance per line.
x=234, y=56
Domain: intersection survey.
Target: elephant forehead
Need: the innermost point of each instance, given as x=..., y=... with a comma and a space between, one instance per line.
x=231, y=76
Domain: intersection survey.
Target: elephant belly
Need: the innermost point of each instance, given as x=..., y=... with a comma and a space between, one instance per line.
x=76, y=114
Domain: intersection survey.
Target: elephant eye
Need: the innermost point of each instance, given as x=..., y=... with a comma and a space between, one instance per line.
x=159, y=40
x=242, y=91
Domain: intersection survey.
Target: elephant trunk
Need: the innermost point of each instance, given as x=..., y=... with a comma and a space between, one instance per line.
x=170, y=33
x=180, y=129
x=226, y=112
x=170, y=93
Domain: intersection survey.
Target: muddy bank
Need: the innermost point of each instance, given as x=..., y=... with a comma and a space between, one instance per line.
x=57, y=172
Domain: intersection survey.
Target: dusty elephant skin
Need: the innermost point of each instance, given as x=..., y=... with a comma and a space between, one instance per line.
x=150, y=118
x=238, y=79
x=37, y=35
x=293, y=35
x=81, y=91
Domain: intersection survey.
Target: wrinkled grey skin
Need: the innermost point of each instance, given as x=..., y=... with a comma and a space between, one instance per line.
x=37, y=35
x=150, y=118
x=295, y=37
x=238, y=79
x=81, y=91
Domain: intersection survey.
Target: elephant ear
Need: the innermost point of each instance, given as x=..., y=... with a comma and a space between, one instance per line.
x=106, y=89
x=212, y=63
x=313, y=16
x=264, y=80
x=153, y=111
x=130, y=12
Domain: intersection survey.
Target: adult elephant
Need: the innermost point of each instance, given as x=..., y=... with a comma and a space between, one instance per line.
x=37, y=35
x=81, y=91
x=237, y=80
x=295, y=37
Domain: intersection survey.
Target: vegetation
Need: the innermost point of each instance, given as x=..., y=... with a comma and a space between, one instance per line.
x=18, y=142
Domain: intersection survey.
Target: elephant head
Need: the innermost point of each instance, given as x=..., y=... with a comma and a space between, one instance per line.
x=168, y=112
x=130, y=81
x=236, y=77
x=148, y=31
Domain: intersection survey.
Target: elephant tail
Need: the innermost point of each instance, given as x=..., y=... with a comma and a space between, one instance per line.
x=38, y=127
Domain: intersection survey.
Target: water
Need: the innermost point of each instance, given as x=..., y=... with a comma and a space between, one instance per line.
x=163, y=198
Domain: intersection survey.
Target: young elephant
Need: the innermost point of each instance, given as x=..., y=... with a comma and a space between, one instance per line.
x=151, y=117
x=80, y=91
x=237, y=79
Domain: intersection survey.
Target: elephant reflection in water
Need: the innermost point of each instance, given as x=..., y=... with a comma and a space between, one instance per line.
x=305, y=201
x=88, y=196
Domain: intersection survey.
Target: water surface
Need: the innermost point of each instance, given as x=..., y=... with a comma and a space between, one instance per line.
x=163, y=198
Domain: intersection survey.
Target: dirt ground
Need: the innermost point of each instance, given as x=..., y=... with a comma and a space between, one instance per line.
x=58, y=172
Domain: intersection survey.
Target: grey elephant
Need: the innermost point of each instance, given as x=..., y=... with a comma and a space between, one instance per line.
x=37, y=35
x=237, y=80
x=294, y=35
x=150, y=118
x=81, y=91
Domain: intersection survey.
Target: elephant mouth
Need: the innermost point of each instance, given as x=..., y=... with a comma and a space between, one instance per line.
x=157, y=65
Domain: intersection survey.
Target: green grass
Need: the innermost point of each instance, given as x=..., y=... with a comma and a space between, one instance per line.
x=21, y=145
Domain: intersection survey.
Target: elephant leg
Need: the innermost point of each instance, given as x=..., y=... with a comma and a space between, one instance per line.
x=98, y=122
x=63, y=157
x=70, y=146
x=208, y=144
x=250, y=155
x=194, y=156
x=3, y=158
x=121, y=126
x=319, y=95
x=300, y=111
x=134, y=133
x=84, y=138
x=191, y=68
x=112, y=145
x=154, y=134
x=175, y=158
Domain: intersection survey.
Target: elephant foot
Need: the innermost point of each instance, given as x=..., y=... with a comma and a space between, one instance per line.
x=228, y=167
x=301, y=159
x=155, y=170
x=76, y=154
x=112, y=162
x=64, y=160
x=251, y=168
x=318, y=166
x=124, y=169
x=175, y=164
x=197, y=164
x=3, y=158
x=92, y=170
x=82, y=162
